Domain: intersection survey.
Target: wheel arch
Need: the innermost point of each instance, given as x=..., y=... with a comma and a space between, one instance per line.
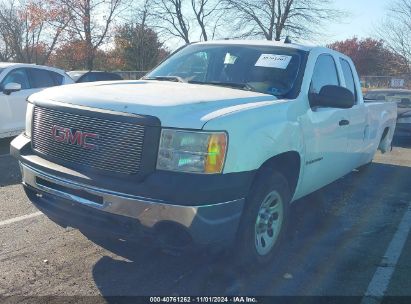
x=385, y=141
x=287, y=163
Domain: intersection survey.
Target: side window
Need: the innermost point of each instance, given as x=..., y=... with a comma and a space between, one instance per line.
x=17, y=76
x=113, y=76
x=102, y=77
x=88, y=77
x=325, y=73
x=105, y=76
x=57, y=78
x=40, y=78
x=348, y=76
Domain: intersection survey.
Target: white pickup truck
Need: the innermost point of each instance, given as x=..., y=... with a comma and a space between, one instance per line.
x=209, y=149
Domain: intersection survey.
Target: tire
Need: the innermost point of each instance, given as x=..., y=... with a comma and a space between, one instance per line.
x=263, y=224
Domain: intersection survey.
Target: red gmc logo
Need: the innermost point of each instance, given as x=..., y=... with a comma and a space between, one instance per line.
x=79, y=138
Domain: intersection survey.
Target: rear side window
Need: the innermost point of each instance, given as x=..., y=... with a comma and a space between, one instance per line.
x=348, y=76
x=58, y=79
x=325, y=73
x=41, y=78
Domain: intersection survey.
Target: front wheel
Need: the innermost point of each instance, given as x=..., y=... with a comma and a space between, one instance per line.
x=264, y=218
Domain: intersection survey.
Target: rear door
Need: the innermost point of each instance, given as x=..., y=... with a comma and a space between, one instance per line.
x=358, y=129
x=325, y=131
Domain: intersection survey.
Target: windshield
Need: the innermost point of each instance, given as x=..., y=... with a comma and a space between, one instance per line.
x=401, y=97
x=264, y=69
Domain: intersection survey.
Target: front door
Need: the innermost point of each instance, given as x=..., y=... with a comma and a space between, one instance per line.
x=325, y=133
x=13, y=106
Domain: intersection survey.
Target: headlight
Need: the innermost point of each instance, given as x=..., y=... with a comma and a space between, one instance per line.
x=29, y=118
x=190, y=151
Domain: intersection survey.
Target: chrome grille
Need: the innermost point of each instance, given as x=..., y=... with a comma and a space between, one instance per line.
x=120, y=144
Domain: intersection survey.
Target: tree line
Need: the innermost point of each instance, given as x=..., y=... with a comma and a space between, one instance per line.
x=388, y=52
x=130, y=35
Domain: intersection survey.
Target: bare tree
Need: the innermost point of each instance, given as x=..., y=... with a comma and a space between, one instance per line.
x=137, y=45
x=172, y=18
x=143, y=14
x=208, y=15
x=6, y=52
x=31, y=29
x=273, y=19
x=10, y=31
x=395, y=30
x=90, y=23
x=187, y=19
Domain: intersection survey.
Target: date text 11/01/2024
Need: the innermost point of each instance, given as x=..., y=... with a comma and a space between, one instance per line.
x=203, y=299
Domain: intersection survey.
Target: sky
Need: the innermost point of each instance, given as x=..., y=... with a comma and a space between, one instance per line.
x=364, y=16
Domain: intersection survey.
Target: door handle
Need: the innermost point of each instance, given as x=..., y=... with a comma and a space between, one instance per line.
x=344, y=122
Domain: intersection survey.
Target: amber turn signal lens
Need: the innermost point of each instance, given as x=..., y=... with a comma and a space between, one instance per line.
x=216, y=151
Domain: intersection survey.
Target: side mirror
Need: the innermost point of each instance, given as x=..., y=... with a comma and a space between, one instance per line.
x=331, y=96
x=11, y=87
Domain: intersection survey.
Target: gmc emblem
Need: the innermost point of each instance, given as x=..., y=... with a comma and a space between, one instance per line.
x=78, y=138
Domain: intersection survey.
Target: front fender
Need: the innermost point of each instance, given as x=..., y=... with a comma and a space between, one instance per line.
x=256, y=135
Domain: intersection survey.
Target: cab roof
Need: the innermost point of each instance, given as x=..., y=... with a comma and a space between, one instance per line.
x=260, y=43
x=9, y=64
x=5, y=65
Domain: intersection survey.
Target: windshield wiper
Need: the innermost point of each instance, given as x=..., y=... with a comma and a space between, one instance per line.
x=223, y=84
x=236, y=85
x=166, y=78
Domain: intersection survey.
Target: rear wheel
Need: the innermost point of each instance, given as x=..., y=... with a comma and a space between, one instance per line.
x=264, y=218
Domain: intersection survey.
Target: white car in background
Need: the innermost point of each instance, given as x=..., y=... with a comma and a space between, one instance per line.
x=17, y=82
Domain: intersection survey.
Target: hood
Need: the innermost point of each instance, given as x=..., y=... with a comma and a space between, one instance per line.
x=180, y=105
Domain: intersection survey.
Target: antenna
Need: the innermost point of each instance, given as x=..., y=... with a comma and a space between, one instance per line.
x=287, y=39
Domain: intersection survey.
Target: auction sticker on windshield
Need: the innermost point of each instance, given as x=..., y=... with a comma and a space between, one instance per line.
x=273, y=61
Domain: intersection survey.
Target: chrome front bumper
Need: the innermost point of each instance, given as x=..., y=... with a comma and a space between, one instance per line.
x=205, y=224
